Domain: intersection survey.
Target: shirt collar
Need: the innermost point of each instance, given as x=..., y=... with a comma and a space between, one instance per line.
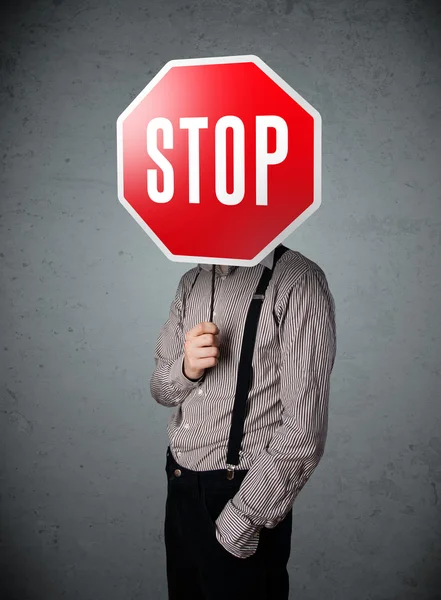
x=268, y=261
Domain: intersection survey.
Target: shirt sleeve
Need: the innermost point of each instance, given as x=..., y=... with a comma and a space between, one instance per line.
x=308, y=346
x=168, y=384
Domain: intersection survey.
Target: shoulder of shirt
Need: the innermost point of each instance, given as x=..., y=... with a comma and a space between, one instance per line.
x=288, y=271
x=293, y=267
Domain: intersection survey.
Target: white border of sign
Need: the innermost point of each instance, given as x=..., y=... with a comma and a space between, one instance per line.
x=317, y=158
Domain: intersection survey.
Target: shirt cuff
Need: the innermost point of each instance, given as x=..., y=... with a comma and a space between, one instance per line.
x=178, y=379
x=236, y=533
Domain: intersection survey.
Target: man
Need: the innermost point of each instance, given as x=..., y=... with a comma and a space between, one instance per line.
x=250, y=392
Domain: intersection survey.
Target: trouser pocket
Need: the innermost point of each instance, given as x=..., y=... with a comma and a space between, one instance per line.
x=214, y=500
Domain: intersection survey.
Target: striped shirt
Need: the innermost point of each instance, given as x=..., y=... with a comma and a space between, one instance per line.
x=287, y=409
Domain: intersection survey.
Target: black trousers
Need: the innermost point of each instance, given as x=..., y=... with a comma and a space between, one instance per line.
x=198, y=566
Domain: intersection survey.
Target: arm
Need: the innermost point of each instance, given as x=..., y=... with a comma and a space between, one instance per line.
x=168, y=384
x=308, y=346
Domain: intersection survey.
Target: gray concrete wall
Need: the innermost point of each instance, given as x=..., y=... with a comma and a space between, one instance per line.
x=84, y=292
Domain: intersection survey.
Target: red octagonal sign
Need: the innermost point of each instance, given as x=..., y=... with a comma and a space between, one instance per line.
x=219, y=160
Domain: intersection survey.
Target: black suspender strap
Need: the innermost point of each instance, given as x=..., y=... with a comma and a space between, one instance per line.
x=245, y=364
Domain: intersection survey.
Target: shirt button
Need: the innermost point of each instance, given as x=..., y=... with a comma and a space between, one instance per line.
x=200, y=391
x=186, y=426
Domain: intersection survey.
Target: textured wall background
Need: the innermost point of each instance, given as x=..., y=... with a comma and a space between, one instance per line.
x=84, y=293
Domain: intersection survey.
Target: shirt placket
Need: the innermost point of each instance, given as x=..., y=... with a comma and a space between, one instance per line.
x=217, y=302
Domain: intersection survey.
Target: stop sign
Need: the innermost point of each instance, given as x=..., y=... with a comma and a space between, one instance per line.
x=219, y=160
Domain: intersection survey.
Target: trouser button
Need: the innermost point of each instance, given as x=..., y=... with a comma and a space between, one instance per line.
x=178, y=472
